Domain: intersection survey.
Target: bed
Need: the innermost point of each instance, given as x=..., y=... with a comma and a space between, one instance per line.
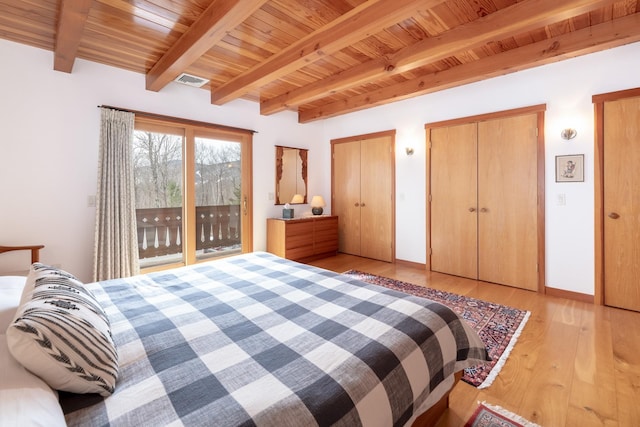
x=252, y=339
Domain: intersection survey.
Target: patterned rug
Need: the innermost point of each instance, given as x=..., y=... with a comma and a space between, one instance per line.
x=497, y=325
x=494, y=416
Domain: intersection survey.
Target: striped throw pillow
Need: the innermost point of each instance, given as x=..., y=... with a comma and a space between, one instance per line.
x=61, y=334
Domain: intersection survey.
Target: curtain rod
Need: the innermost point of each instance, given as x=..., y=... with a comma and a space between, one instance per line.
x=178, y=119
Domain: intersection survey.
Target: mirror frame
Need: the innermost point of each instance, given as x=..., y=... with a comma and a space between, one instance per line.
x=280, y=172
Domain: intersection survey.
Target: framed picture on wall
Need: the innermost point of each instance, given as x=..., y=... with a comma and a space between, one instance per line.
x=570, y=168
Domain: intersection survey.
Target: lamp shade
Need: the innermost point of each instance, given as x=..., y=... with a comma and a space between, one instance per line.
x=317, y=202
x=297, y=198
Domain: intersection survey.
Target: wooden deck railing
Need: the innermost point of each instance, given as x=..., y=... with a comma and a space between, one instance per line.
x=160, y=229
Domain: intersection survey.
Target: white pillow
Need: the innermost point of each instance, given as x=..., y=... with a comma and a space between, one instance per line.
x=10, y=291
x=61, y=334
x=25, y=400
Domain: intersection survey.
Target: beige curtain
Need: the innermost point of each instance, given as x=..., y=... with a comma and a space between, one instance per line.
x=116, y=243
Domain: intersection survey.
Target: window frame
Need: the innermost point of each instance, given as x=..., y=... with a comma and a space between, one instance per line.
x=191, y=130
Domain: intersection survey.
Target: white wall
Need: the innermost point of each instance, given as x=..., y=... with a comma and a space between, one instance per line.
x=48, y=149
x=566, y=88
x=49, y=125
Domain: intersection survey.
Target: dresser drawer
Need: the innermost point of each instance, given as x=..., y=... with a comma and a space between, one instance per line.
x=298, y=229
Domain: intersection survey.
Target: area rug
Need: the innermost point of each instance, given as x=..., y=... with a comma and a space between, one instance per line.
x=494, y=416
x=497, y=325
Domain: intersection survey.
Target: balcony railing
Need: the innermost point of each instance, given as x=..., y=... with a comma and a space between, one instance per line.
x=160, y=229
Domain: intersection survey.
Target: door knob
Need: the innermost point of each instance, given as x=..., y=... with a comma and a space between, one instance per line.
x=484, y=210
x=357, y=204
x=362, y=205
x=614, y=215
x=472, y=209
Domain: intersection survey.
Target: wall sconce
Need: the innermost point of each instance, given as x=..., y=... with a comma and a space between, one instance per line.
x=409, y=151
x=568, y=133
x=317, y=203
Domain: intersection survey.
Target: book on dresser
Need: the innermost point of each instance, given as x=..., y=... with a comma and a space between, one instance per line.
x=303, y=239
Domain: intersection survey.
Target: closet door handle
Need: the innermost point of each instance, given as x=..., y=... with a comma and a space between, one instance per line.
x=472, y=209
x=484, y=210
x=613, y=215
x=357, y=204
x=362, y=205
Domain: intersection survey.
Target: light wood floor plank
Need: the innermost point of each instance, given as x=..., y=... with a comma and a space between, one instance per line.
x=625, y=333
x=546, y=398
x=575, y=364
x=593, y=400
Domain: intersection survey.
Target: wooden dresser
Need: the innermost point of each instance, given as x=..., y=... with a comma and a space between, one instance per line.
x=303, y=239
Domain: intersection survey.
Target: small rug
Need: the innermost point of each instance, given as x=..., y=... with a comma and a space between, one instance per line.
x=494, y=416
x=497, y=325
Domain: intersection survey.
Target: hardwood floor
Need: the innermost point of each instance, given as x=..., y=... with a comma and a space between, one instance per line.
x=575, y=364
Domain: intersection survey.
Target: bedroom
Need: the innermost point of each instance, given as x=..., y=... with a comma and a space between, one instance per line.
x=51, y=126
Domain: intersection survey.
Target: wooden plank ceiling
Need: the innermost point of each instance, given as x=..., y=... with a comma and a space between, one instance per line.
x=319, y=58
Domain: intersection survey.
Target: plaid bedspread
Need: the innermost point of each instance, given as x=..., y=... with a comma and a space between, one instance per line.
x=256, y=340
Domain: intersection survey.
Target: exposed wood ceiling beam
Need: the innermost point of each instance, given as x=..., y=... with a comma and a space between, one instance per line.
x=362, y=21
x=215, y=22
x=596, y=38
x=516, y=19
x=73, y=16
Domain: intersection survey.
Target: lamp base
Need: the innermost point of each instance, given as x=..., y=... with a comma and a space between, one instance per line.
x=316, y=211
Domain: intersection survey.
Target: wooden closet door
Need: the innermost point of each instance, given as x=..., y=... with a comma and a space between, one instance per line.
x=376, y=192
x=622, y=203
x=454, y=198
x=346, y=201
x=507, y=201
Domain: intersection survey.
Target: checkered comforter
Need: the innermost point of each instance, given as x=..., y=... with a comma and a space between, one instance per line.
x=259, y=340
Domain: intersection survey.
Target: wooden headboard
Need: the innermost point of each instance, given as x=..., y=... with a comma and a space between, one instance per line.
x=35, y=250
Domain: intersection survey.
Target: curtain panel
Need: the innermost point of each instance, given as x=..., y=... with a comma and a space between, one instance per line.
x=116, y=243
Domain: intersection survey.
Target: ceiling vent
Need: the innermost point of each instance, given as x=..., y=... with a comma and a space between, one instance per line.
x=191, y=80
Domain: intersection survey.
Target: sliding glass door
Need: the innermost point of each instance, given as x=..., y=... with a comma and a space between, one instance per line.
x=158, y=170
x=193, y=193
x=218, y=196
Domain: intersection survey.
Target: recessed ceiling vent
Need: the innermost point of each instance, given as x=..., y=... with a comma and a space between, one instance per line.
x=191, y=80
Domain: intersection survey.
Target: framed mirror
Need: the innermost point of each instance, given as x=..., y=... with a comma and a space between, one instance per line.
x=291, y=175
